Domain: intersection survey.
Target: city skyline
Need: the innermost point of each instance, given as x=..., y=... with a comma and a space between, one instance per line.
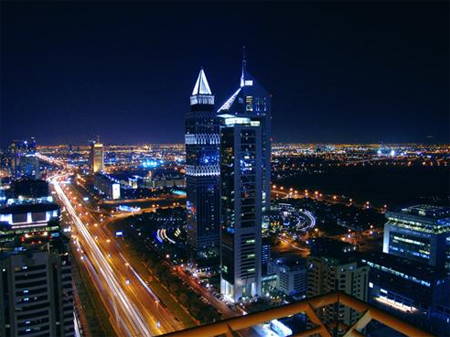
x=244, y=168
x=330, y=83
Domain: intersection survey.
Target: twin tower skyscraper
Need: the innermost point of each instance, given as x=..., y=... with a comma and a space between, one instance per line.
x=228, y=182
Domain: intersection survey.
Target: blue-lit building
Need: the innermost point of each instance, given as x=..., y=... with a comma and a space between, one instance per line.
x=265, y=255
x=291, y=275
x=23, y=160
x=251, y=100
x=418, y=233
x=241, y=207
x=202, y=176
x=411, y=290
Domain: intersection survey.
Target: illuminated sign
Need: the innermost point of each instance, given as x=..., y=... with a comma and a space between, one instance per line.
x=116, y=191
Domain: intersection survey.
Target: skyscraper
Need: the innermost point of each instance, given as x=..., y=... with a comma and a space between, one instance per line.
x=251, y=100
x=96, y=156
x=241, y=207
x=202, y=175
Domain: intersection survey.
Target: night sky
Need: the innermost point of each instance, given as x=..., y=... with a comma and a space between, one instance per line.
x=338, y=71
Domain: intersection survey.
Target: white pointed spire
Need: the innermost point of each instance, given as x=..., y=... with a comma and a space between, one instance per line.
x=201, y=86
x=244, y=66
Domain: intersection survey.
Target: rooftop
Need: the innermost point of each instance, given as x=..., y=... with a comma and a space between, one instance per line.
x=423, y=218
x=428, y=211
x=291, y=263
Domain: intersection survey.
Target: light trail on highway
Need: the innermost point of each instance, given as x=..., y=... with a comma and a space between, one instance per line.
x=134, y=308
x=135, y=323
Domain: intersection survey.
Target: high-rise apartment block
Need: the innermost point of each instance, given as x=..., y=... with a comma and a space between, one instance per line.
x=252, y=101
x=36, y=296
x=202, y=176
x=241, y=207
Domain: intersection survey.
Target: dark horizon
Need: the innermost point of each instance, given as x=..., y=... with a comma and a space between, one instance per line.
x=370, y=72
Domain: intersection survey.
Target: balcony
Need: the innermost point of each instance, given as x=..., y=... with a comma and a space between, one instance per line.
x=239, y=326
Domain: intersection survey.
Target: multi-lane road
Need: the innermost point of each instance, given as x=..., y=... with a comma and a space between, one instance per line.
x=133, y=307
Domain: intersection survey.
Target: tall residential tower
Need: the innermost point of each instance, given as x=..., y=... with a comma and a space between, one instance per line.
x=202, y=175
x=252, y=101
x=36, y=297
x=241, y=207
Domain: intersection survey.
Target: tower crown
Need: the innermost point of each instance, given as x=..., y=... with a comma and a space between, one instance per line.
x=202, y=85
x=245, y=78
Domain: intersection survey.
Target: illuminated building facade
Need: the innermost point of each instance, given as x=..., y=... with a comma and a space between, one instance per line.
x=23, y=160
x=241, y=207
x=202, y=176
x=107, y=186
x=418, y=233
x=96, y=157
x=29, y=223
x=251, y=100
x=36, y=296
x=410, y=290
x=337, y=272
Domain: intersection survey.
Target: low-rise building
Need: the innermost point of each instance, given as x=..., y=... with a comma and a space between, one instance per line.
x=107, y=186
x=291, y=275
x=418, y=233
x=413, y=291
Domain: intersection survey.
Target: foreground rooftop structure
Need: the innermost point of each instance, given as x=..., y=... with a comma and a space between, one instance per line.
x=231, y=327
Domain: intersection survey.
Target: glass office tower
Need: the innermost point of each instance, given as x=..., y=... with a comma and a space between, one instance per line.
x=418, y=233
x=202, y=176
x=241, y=207
x=251, y=100
x=416, y=292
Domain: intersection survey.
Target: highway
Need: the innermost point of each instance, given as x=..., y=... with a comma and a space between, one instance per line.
x=133, y=307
